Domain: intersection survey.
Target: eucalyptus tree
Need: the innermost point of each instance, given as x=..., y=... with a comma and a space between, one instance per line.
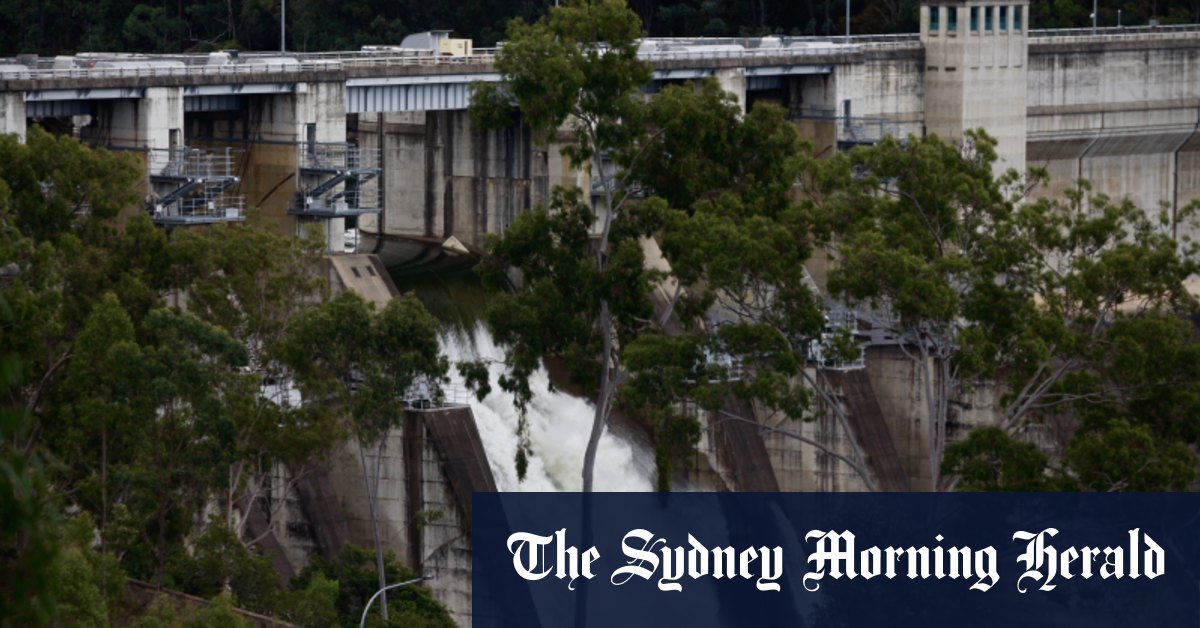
x=250, y=281
x=743, y=193
x=685, y=169
x=28, y=548
x=576, y=68
x=356, y=365
x=980, y=283
x=1111, y=379
x=57, y=201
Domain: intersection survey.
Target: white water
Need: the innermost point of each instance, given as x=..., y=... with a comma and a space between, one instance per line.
x=559, y=425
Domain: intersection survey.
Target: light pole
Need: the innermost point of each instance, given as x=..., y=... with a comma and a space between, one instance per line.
x=1095, y=14
x=282, y=25
x=362, y=622
x=847, y=21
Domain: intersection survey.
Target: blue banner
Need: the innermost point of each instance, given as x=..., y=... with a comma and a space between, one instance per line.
x=810, y=559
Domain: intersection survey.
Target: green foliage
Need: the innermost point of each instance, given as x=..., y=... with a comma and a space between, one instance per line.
x=685, y=169
x=218, y=615
x=577, y=65
x=160, y=614
x=1121, y=456
x=51, y=180
x=218, y=561
x=139, y=411
x=354, y=570
x=582, y=300
x=28, y=548
x=314, y=605
x=358, y=363
x=164, y=612
x=89, y=585
x=739, y=239
x=1074, y=307
x=991, y=460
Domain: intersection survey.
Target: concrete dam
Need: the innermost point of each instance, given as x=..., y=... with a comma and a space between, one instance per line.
x=375, y=149
x=382, y=140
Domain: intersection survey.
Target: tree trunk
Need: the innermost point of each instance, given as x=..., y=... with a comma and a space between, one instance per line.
x=160, y=555
x=943, y=406
x=375, y=531
x=104, y=500
x=589, y=456
x=931, y=408
x=103, y=484
x=161, y=515
x=604, y=392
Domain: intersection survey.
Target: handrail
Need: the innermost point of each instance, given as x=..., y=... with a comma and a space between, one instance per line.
x=161, y=71
x=248, y=63
x=1113, y=30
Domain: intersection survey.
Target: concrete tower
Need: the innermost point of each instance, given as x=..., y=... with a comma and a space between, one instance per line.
x=975, y=65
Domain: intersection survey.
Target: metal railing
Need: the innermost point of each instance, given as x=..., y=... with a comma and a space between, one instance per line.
x=337, y=156
x=865, y=130
x=428, y=394
x=190, y=163
x=1118, y=37
x=101, y=65
x=789, y=52
x=854, y=130
x=220, y=207
x=151, y=71
x=353, y=199
x=1114, y=30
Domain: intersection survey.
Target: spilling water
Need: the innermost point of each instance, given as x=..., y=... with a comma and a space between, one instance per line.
x=559, y=425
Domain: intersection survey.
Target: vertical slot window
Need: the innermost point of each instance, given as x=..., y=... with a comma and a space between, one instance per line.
x=974, y=19
x=1017, y=11
x=987, y=19
x=1003, y=18
x=952, y=19
x=935, y=14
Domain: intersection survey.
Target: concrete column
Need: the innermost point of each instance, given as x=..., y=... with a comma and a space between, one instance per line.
x=153, y=121
x=733, y=80
x=975, y=74
x=281, y=124
x=286, y=117
x=322, y=104
x=12, y=114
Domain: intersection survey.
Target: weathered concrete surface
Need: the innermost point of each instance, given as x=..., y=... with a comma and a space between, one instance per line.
x=364, y=274
x=881, y=86
x=1121, y=112
x=870, y=428
x=428, y=469
x=733, y=80
x=896, y=380
x=802, y=467
x=1119, y=108
x=319, y=505
x=740, y=447
x=154, y=121
x=975, y=77
x=12, y=114
x=444, y=177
